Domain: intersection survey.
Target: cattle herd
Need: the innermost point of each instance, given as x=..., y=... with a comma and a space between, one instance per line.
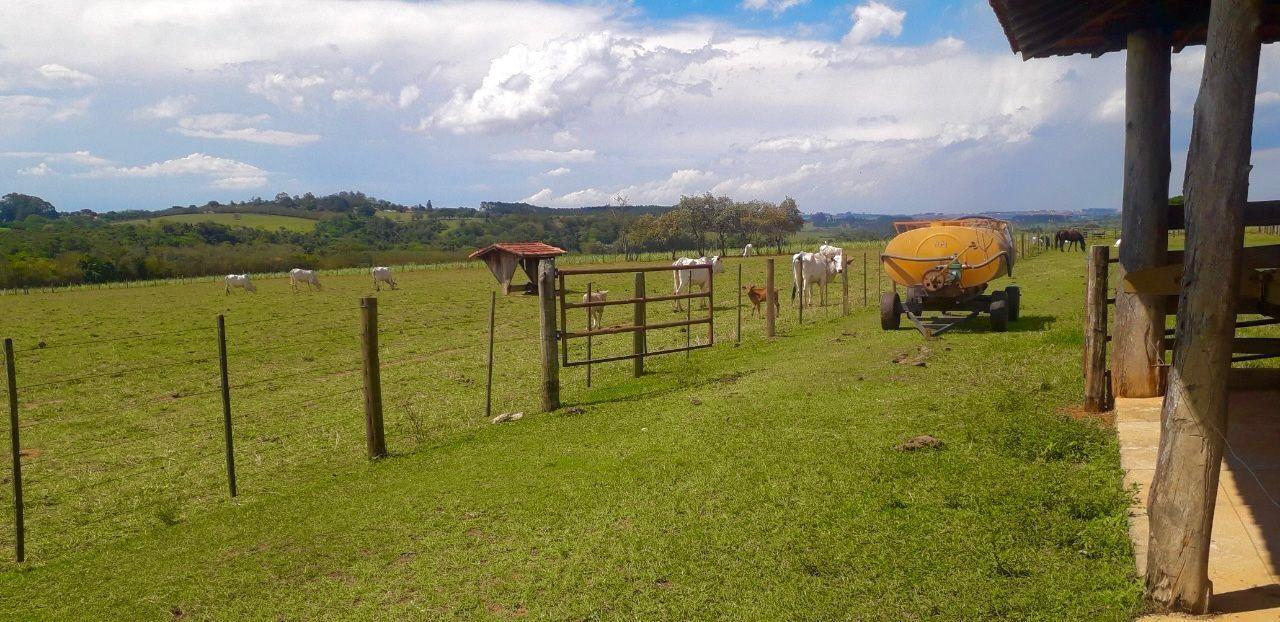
x=308, y=278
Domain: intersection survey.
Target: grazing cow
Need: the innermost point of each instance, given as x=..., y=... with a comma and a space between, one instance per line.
x=382, y=274
x=1068, y=238
x=242, y=281
x=686, y=280
x=810, y=269
x=756, y=295
x=307, y=277
x=748, y=250
x=835, y=254
x=595, y=314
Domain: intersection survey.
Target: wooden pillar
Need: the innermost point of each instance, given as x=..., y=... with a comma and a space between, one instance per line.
x=770, y=301
x=548, y=334
x=1138, y=338
x=1095, y=331
x=1194, y=419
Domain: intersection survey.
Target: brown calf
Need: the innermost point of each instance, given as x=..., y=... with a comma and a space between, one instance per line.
x=756, y=295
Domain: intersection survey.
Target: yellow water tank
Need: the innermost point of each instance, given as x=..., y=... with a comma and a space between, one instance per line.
x=967, y=253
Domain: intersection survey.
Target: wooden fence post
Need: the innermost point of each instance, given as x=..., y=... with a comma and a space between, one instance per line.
x=637, y=338
x=375, y=439
x=15, y=448
x=864, y=279
x=488, y=382
x=770, y=300
x=589, y=327
x=548, y=334
x=844, y=290
x=1095, y=331
x=227, y=439
x=737, y=335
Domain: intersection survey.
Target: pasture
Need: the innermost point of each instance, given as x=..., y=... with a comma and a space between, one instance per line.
x=267, y=222
x=756, y=481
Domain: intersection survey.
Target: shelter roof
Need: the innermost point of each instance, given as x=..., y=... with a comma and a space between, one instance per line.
x=520, y=249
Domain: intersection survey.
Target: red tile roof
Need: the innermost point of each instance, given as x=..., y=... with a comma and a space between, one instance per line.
x=520, y=249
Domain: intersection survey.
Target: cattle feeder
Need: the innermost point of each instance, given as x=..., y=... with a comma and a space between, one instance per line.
x=946, y=266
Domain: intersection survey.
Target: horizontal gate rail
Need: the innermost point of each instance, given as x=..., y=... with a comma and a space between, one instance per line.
x=628, y=357
x=612, y=330
x=631, y=301
x=666, y=268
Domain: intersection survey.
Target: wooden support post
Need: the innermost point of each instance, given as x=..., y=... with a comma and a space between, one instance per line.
x=844, y=290
x=1137, y=346
x=375, y=439
x=548, y=334
x=227, y=437
x=737, y=334
x=711, y=306
x=15, y=450
x=488, y=380
x=638, y=337
x=589, y=327
x=770, y=301
x=1194, y=419
x=1095, y=331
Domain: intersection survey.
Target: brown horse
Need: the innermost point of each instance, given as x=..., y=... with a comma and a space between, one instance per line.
x=1067, y=238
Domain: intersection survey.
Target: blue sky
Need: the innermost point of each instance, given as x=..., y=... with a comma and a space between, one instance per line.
x=894, y=106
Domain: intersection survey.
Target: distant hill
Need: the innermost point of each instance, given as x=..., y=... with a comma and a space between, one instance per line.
x=266, y=222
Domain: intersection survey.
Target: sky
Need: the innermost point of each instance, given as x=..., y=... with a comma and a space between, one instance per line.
x=881, y=106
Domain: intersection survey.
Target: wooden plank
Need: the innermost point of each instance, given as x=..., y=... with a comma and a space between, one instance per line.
x=1095, y=331
x=631, y=301
x=1256, y=214
x=1184, y=489
x=666, y=268
x=641, y=356
x=613, y=330
x=547, y=334
x=1248, y=345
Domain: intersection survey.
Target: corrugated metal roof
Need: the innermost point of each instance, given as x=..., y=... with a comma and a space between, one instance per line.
x=520, y=249
x=1043, y=28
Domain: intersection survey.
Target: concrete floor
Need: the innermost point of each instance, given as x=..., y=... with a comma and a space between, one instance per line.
x=1244, y=561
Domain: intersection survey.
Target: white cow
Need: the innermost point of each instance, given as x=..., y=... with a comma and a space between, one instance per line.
x=685, y=280
x=748, y=250
x=382, y=274
x=242, y=281
x=835, y=254
x=595, y=314
x=810, y=269
x=307, y=277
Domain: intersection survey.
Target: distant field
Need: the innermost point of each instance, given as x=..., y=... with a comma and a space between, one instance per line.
x=268, y=222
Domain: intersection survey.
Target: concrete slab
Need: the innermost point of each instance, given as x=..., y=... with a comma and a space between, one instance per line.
x=1245, y=549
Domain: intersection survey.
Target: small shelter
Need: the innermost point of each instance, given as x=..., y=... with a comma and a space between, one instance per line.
x=503, y=257
x=1213, y=279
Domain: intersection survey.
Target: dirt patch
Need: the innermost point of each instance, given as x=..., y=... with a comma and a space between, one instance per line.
x=924, y=441
x=403, y=558
x=31, y=453
x=913, y=359
x=1103, y=419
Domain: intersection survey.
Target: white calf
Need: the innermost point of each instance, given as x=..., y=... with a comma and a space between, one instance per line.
x=748, y=250
x=382, y=274
x=810, y=269
x=595, y=314
x=242, y=281
x=686, y=280
x=307, y=277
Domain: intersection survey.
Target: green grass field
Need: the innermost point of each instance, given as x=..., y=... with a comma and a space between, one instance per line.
x=751, y=481
x=269, y=222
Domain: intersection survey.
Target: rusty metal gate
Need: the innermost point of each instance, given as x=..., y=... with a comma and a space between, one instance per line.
x=640, y=325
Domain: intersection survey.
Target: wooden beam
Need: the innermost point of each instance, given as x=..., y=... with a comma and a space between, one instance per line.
x=1137, y=346
x=1194, y=418
x=1095, y=331
x=1256, y=214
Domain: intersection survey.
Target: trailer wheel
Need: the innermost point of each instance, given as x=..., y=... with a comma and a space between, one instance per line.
x=890, y=311
x=999, y=311
x=1014, y=295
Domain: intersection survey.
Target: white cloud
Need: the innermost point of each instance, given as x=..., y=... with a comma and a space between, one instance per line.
x=25, y=109
x=659, y=192
x=546, y=155
x=39, y=170
x=558, y=172
x=874, y=20
x=1267, y=98
x=409, y=94
x=1112, y=108
x=777, y=7
x=362, y=95
x=221, y=172
x=170, y=107
x=232, y=126
x=801, y=144
x=55, y=75
x=80, y=158
x=285, y=90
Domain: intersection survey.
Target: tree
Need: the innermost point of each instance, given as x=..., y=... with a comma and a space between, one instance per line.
x=781, y=221
x=15, y=207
